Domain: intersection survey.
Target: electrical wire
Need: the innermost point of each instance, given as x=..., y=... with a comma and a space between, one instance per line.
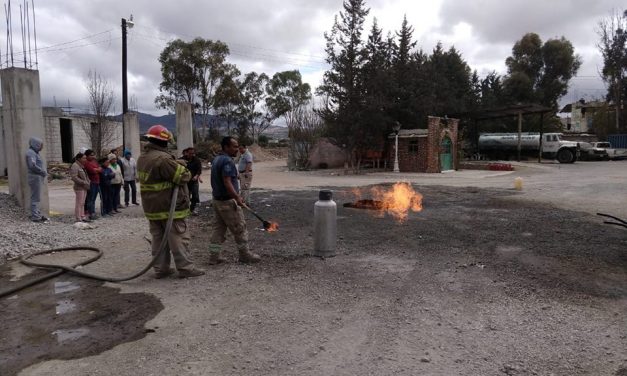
x=55, y=46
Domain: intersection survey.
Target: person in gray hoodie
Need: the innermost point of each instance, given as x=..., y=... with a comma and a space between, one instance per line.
x=36, y=175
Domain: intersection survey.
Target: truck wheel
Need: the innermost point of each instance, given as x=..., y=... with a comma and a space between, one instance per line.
x=565, y=156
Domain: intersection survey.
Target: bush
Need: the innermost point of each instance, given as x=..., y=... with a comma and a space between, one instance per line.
x=263, y=140
x=207, y=150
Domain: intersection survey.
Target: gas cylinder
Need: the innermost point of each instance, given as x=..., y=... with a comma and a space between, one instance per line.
x=325, y=224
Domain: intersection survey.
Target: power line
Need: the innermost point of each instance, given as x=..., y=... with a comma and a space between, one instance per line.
x=77, y=46
x=54, y=47
x=298, y=62
x=316, y=58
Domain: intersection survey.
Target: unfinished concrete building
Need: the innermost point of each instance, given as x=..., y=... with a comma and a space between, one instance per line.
x=66, y=134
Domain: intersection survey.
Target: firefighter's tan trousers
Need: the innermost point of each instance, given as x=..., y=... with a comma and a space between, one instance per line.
x=178, y=244
x=228, y=215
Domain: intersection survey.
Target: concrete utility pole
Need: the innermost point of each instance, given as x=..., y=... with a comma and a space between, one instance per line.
x=125, y=24
x=184, y=124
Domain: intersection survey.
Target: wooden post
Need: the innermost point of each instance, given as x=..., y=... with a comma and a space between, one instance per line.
x=541, y=132
x=519, y=133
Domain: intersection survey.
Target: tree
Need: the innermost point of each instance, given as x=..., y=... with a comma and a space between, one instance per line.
x=253, y=93
x=305, y=130
x=539, y=72
x=612, y=32
x=102, y=131
x=380, y=109
x=451, y=76
x=403, y=69
x=286, y=94
x=192, y=72
x=342, y=83
x=227, y=102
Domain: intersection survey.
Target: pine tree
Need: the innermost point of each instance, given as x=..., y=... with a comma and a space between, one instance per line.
x=403, y=81
x=342, y=83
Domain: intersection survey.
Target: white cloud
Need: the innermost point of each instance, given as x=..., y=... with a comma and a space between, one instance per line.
x=273, y=35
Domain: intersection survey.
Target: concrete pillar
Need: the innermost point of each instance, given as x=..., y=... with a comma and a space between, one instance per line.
x=184, y=134
x=3, y=151
x=131, y=133
x=22, y=119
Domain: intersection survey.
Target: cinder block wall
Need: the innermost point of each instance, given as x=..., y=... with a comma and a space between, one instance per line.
x=52, y=142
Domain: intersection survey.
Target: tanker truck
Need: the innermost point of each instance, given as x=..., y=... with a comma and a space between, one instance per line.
x=505, y=146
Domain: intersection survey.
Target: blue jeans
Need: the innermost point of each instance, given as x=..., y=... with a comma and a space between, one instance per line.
x=90, y=203
x=106, y=199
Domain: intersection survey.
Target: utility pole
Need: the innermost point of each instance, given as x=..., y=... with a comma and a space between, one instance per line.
x=125, y=24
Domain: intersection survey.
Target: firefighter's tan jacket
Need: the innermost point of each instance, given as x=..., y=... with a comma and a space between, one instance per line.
x=158, y=173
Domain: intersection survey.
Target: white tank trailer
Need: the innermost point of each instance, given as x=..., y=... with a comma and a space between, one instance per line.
x=504, y=146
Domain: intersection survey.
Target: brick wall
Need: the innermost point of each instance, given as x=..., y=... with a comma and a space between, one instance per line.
x=422, y=153
x=412, y=154
x=437, y=132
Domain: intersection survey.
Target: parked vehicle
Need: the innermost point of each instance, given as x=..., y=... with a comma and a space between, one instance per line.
x=505, y=146
x=612, y=153
x=590, y=152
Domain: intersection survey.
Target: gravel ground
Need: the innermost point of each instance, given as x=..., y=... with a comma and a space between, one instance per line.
x=477, y=283
x=20, y=236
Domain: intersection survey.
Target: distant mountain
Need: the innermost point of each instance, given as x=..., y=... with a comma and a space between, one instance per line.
x=169, y=121
x=276, y=132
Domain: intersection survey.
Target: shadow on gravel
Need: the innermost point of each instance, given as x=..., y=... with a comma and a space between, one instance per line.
x=68, y=318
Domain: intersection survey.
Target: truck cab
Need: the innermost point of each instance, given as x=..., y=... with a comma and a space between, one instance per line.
x=554, y=147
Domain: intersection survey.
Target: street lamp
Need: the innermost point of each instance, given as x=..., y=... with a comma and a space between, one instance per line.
x=125, y=24
x=396, y=128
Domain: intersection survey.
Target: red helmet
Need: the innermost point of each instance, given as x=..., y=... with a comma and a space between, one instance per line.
x=159, y=132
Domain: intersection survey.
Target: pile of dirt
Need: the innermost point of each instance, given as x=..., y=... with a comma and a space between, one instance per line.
x=267, y=154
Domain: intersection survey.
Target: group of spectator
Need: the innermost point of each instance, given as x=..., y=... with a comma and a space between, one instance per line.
x=102, y=178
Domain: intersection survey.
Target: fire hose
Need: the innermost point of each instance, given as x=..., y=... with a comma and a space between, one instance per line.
x=72, y=269
x=619, y=222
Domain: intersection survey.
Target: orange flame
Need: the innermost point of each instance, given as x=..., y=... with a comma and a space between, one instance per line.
x=398, y=200
x=273, y=227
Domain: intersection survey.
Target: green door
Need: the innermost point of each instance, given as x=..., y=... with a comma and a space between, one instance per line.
x=446, y=155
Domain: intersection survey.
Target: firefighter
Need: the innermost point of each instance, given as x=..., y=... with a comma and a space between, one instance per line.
x=158, y=173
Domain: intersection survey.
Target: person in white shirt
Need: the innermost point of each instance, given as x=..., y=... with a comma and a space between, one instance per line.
x=245, y=169
x=129, y=167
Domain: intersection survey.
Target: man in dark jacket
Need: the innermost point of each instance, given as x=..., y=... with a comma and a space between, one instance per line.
x=159, y=173
x=36, y=175
x=195, y=168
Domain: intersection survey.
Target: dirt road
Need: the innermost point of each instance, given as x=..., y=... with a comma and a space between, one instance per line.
x=481, y=282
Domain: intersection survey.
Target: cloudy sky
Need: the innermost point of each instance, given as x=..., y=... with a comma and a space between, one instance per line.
x=75, y=36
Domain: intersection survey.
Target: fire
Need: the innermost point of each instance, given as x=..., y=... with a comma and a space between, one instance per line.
x=398, y=200
x=272, y=227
